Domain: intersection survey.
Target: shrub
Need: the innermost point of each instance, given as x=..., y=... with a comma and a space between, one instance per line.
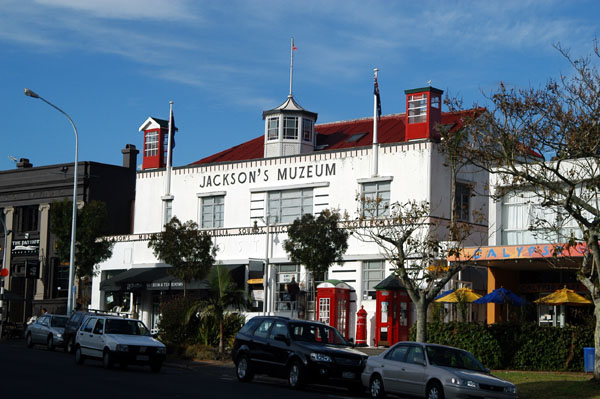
x=173, y=327
x=519, y=346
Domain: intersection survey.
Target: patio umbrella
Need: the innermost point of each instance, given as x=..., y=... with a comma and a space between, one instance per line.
x=563, y=296
x=502, y=296
x=464, y=294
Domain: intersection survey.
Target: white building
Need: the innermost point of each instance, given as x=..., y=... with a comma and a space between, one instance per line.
x=296, y=166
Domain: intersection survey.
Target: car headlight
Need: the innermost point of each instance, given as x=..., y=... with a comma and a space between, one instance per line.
x=466, y=383
x=58, y=335
x=122, y=348
x=319, y=357
x=510, y=389
x=161, y=350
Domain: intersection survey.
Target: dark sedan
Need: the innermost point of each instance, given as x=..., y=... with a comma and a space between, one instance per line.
x=298, y=350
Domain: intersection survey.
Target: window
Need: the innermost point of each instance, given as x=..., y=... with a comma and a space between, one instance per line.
x=285, y=274
x=273, y=128
x=60, y=278
x=307, y=129
x=263, y=329
x=99, y=328
x=249, y=326
x=279, y=328
x=373, y=274
x=415, y=355
x=398, y=353
x=27, y=218
x=324, y=308
x=435, y=102
x=417, y=108
x=376, y=199
x=89, y=325
x=287, y=206
x=290, y=127
x=151, y=144
x=461, y=202
x=212, y=211
x=168, y=211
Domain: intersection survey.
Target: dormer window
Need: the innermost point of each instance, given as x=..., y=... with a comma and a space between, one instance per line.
x=290, y=127
x=417, y=108
x=307, y=129
x=273, y=128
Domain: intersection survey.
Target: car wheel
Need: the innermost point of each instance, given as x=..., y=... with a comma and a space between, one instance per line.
x=155, y=366
x=70, y=346
x=29, y=341
x=435, y=391
x=79, y=358
x=50, y=343
x=107, y=360
x=376, y=390
x=242, y=369
x=296, y=375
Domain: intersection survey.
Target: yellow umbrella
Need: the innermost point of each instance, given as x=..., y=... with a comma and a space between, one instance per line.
x=461, y=294
x=563, y=296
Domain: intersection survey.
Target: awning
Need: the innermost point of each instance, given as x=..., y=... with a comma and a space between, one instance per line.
x=153, y=279
x=255, y=281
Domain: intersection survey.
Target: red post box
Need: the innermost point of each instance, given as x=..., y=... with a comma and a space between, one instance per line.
x=361, y=327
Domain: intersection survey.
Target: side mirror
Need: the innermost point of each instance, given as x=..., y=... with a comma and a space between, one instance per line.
x=282, y=338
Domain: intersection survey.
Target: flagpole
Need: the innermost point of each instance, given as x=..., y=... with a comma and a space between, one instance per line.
x=167, y=197
x=375, y=120
x=291, y=65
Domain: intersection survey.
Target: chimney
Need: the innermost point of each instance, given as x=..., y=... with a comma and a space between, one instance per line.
x=24, y=163
x=130, y=156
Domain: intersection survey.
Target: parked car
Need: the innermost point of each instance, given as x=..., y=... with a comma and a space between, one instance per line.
x=433, y=372
x=73, y=325
x=115, y=339
x=300, y=351
x=47, y=329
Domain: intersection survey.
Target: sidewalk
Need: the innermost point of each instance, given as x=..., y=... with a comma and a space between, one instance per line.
x=198, y=363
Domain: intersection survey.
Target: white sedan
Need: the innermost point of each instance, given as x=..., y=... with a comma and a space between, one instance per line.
x=433, y=372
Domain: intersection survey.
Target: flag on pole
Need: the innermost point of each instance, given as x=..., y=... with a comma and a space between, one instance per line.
x=294, y=47
x=172, y=129
x=376, y=92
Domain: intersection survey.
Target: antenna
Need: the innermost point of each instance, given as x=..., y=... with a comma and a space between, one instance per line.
x=13, y=158
x=292, y=48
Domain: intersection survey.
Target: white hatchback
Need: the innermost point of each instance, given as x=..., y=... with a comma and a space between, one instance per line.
x=118, y=340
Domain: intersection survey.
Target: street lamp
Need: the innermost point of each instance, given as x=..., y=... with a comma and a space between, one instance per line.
x=71, y=296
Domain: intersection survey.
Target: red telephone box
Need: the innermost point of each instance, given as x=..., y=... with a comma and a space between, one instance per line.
x=392, y=313
x=333, y=299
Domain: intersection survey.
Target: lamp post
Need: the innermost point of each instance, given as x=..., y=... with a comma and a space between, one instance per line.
x=71, y=295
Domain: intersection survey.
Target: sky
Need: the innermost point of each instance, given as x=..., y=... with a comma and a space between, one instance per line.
x=110, y=64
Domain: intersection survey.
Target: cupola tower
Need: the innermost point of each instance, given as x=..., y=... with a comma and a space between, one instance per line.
x=423, y=113
x=156, y=133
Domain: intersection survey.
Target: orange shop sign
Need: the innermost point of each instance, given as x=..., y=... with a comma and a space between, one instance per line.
x=506, y=252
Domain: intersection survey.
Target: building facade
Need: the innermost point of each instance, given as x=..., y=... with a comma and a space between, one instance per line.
x=246, y=196
x=36, y=278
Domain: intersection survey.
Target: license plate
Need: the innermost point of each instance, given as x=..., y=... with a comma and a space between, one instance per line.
x=348, y=374
x=142, y=358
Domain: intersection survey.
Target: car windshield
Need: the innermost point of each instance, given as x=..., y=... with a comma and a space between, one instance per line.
x=456, y=358
x=58, y=321
x=316, y=333
x=125, y=327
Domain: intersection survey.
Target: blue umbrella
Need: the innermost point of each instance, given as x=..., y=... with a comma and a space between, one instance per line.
x=502, y=296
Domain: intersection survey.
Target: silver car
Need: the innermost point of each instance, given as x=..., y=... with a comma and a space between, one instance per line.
x=46, y=330
x=433, y=372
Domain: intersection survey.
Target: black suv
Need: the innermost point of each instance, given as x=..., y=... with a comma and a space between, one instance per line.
x=301, y=351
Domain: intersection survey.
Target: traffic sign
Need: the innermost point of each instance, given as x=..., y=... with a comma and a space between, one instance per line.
x=3, y=272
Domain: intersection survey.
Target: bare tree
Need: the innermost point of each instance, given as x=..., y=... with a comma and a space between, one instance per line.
x=543, y=144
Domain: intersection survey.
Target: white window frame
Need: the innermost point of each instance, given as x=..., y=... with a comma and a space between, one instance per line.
x=373, y=272
x=462, y=201
x=151, y=144
x=417, y=108
x=213, y=203
x=290, y=130
x=273, y=131
x=380, y=191
x=279, y=204
x=307, y=130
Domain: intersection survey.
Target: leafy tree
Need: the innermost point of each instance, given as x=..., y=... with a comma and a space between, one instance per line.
x=189, y=251
x=317, y=243
x=224, y=294
x=92, y=223
x=546, y=142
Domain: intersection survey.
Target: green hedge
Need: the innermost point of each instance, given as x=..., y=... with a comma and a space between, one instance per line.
x=516, y=346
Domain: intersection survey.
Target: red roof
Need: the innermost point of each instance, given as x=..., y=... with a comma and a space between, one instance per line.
x=335, y=135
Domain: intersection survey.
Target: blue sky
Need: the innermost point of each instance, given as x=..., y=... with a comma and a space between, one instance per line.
x=112, y=63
